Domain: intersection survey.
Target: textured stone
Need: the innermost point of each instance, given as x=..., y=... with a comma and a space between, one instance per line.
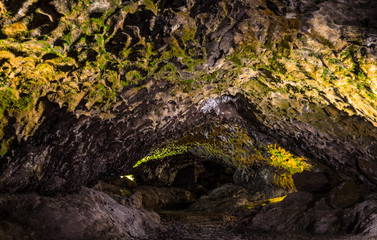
x=259, y=180
x=283, y=216
x=321, y=219
x=361, y=219
x=368, y=167
x=87, y=214
x=89, y=88
x=298, y=212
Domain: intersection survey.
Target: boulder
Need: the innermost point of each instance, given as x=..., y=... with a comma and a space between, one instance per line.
x=345, y=195
x=283, y=216
x=87, y=214
x=228, y=199
x=311, y=182
x=321, y=218
x=362, y=219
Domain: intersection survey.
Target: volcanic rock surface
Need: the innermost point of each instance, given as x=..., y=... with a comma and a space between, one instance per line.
x=198, y=95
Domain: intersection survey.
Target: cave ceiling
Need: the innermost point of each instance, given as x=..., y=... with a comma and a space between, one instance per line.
x=90, y=87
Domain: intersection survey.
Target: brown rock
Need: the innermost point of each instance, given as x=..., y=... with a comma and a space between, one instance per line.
x=311, y=182
x=345, y=195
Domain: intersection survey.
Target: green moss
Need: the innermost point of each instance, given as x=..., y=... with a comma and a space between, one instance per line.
x=130, y=177
x=133, y=76
x=8, y=98
x=188, y=33
x=236, y=60
x=276, y=66
x=150, y=5
x=28, y=78
x=160, y=153
x=4, y=146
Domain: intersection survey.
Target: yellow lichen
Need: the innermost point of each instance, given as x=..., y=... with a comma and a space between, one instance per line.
x=283, y=159
x=16, y=29
x=6, y=55
x=284, y=180
x=265, y=202
x=130, y=177
x=4, y=13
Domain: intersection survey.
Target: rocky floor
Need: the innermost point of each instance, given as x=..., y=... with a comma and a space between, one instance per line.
x=199, y=226
x=91, y=214
x=316, y=211
x=227, y=212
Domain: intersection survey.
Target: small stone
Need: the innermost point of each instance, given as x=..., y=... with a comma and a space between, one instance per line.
x=345, y=195
x=311, y=182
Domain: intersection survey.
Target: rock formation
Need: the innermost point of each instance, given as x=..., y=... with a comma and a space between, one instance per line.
x=192, y=94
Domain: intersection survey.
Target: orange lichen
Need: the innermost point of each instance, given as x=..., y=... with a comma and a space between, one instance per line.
x=15, y=29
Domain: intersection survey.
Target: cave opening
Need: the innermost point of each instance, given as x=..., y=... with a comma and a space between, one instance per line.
x=175, y=183
x=203, y=177
x=196, y=181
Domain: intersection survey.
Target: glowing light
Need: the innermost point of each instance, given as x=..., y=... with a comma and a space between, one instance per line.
x=160, y=153
x=265, y=202
x=275, y=200
x=130, y=177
